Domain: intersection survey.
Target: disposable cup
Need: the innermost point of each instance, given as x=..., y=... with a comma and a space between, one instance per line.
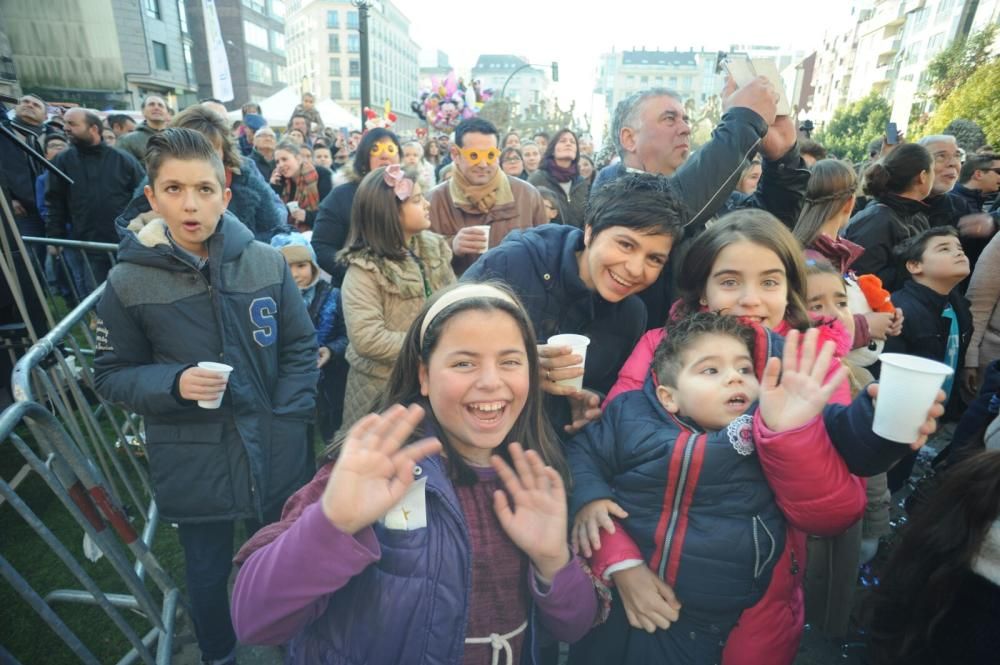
x=220, y=368
x=292, y=206
x=906, y=391
x=485, y=228
x=579, y=344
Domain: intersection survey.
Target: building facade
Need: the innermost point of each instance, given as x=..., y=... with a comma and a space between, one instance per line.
x=324, y=55
x=254, y=35
x=100, y=53
x=526, y=85
x=887, y=48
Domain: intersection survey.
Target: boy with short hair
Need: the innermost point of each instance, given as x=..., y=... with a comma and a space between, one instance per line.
x=938, y=323
x=192, y=285
x=321, y=156
x=679, y=458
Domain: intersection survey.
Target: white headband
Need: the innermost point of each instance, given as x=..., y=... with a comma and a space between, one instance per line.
x=462, y=292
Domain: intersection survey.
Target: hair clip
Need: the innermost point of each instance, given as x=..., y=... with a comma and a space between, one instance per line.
x=397, y=180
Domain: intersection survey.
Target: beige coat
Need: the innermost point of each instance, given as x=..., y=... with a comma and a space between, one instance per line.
x=448, y=217
x=984, y=300
x=381, y=300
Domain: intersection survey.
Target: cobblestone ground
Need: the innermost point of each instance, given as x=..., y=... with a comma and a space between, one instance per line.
x=816, y=649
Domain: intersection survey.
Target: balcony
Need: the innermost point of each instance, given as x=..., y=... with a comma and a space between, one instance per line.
x=891, y=48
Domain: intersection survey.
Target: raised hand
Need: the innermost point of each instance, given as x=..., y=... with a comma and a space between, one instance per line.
x=374, y=469
x=537, y=521
x=804, y=389
x=586, y=535
x=780, y=138
x=649, y=602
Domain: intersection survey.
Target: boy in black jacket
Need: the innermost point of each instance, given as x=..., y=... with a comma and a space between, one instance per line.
x=938, y=323
x=192, y=285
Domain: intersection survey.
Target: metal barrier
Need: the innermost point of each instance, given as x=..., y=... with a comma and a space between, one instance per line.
x=80, y=488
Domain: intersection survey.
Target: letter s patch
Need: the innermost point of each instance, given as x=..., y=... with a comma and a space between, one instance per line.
x=262, y=313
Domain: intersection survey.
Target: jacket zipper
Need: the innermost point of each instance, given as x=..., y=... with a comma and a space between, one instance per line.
x=678, y=496
x=758, y=567
x=257, y=499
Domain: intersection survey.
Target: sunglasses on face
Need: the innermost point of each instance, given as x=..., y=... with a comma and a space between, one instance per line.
x=476, y=157
x=386, y=148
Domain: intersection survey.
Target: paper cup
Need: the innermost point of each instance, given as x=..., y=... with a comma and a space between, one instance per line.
x=579, y=344
x=907, y=387
x=221, y=369
x=292, y=206
x=485, y=228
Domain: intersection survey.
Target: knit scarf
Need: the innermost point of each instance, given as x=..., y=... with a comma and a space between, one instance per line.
x=560, y=173
x=480, y=197
x=31, y=135
x=304, y=188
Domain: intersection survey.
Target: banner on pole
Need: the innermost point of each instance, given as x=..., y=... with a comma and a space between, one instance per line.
x=218, y=62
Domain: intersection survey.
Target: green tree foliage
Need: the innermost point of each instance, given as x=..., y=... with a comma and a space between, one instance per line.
x=853, y=127
x=977, y=99
x=953, y=66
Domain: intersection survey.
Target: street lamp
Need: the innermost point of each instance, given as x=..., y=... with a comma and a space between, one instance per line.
x=363, y=6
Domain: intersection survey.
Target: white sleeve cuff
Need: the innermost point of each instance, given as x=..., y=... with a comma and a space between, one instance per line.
x=621, y=565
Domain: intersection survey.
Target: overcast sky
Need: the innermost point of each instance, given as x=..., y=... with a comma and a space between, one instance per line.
x=576, y=34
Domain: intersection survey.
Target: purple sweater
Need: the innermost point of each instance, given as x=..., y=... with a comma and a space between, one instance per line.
x=323, y=589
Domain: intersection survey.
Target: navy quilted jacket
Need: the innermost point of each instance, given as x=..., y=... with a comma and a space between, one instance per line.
x=700, y=508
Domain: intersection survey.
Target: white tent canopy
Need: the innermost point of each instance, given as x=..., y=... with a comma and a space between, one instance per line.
x=278, y=108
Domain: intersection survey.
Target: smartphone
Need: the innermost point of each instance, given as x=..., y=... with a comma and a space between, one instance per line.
x=891, y=133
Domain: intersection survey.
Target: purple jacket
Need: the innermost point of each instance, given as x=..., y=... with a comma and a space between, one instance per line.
x=387, y=596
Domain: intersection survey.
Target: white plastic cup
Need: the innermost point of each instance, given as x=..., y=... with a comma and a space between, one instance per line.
x=579, y=344
x=906, y=391
x=219, y=368
x=293, y=206
x=485, y=229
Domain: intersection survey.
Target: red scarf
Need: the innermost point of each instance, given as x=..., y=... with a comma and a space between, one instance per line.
x=303, y=188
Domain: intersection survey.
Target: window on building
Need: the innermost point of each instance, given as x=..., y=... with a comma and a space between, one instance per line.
x=934, y=44
x=182, y=16
x=256, y=5
x=354, y=43
x=259, y=71
x=277, y=42
x=189, y=63
x=355, y=89
x=920, y=18
x=333, y=43
x=278, y=9
x=280, y=73
x=352, y=20
x=152, y=8
x=355, y=68
x=334, y=66
x=255, y=35
x=332, y=18
x=160, y=56
x=672, y=82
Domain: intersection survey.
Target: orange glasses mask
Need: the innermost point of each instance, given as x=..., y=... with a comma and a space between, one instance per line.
x=476, y=157
x=380, y=148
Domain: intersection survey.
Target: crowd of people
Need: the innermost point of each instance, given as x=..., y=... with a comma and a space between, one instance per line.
x=692, y=486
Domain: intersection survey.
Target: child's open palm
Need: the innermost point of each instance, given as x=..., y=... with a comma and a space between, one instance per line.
x=803, y=389
x=374, y=469
x=537, y=520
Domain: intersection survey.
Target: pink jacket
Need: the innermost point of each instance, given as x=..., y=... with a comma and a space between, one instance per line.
x=812, y=486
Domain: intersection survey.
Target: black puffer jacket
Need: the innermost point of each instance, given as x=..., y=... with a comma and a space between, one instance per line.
x=161, y=315
x=879, y=228
x=572, y=205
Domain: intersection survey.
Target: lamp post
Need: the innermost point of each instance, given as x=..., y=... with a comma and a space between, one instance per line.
x=363, y=6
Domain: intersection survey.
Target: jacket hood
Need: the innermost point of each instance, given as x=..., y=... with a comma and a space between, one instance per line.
x=296, y=249
x=144, y=240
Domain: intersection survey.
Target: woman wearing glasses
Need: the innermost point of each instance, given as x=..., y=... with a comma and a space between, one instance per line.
x=512, y=163
x=560, y=172
x=479, y=194
x=379, y=147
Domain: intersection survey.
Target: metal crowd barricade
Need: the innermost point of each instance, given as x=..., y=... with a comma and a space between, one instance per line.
x=78, y=485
